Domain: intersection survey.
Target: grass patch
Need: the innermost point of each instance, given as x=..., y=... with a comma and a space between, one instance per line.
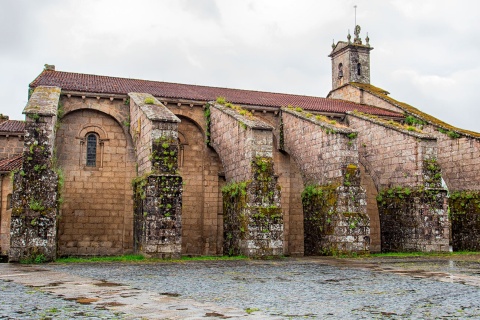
x=139, y=258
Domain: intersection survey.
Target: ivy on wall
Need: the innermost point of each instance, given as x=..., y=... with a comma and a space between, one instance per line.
x=207, y=115
x=411, y=217
x=252, y=211
x=335, y=220
x=164, y=155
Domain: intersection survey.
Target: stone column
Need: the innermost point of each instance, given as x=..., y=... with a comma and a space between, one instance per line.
x=334, y=203
x=158, y=187
x=252, y=215
x=35, y=191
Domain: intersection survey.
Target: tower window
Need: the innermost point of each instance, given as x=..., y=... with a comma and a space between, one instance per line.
x=340, y=70
x=91, y=150
x=359, y=69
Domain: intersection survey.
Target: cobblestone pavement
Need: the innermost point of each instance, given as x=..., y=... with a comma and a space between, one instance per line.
x=323, y=288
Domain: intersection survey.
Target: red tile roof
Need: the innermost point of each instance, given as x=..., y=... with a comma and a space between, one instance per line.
x=12, y=126
x=69, y=81
x=11, y=164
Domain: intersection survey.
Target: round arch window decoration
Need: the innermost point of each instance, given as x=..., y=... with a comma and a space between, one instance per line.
x=91, y=150
x=92, y=139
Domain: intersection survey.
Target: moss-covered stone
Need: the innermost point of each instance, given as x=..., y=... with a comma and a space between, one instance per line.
x=335, y=220
x=253, y=218
x=464, y=207
x=157, y=216
x=413, y=219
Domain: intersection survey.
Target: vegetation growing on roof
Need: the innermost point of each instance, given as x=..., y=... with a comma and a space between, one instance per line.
x=410, y=110
x=238, y=109
x=149, y=100
x=318, y=117
x=390, y=123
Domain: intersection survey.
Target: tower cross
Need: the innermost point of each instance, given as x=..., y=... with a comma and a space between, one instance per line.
x=355, y=7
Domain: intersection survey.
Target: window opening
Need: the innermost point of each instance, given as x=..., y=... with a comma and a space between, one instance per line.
x=340, y=70
x=91, y=150
x=359, y=69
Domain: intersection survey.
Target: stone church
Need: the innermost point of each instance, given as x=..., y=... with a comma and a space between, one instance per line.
x=109, y=166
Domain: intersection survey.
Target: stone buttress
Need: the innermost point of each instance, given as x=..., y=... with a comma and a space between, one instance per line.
x=158, y=187
x=252, y=215
x=36, y=185
x=411, y=201
x=334, y=203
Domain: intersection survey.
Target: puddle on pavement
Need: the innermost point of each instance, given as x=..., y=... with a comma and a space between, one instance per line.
x=170, y=294
x=105, y=283
x=82, y=300
x=112, y=304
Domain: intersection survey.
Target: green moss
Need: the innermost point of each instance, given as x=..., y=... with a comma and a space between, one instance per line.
x=389, y=123
x=399, y=208
x=432, y=173
x=251, y=205
x=413, y=111
x=207, y=114
x=164, y=156
x=319, y=209
x=221, y=100
x=149, y=100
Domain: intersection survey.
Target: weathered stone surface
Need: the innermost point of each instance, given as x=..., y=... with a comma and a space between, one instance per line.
x=44, y=101
x=416, y=220
x=238, y=140
x=97, y=211
x=253, y=218
x=158, y=216
x=34, y=213
x=158, y=193
x=465, y=216
x=153, y=109
x=334, y=203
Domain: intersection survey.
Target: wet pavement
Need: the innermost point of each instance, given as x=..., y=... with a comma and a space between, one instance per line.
x=445, y=287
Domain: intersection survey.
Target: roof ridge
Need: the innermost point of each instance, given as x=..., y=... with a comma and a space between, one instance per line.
x=177, y=83
x=80, y=82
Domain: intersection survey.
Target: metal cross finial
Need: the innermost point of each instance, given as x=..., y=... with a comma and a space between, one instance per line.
x=355, y=6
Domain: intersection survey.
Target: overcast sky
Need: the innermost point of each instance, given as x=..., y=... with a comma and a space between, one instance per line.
x=426, y=51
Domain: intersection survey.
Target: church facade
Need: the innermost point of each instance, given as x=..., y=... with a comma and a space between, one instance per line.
x=108, y=166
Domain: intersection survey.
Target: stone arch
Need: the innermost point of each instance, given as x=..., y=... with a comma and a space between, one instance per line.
x=194, y=114
x=92, y=128
x=201, y=200
x=97, y=212
x=116, y=109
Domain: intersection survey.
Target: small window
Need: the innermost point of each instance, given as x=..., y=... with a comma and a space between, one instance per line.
x=359, y=69
x=340, y=70
x=9, y=201
x=91, y=150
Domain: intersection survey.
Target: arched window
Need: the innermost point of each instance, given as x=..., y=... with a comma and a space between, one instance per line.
x=340, y=70
x=91, y=150
x=359, y=69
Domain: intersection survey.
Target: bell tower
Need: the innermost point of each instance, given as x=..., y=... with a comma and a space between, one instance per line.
x=350, y=60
